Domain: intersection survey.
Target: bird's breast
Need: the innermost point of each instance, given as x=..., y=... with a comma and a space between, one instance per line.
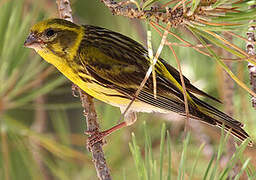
x=95, y=89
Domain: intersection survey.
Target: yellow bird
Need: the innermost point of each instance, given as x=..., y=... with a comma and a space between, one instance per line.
x=110, y=67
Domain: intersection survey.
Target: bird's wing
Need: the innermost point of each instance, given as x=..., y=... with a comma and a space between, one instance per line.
x=189, y=86
x=120, y=58
x=126, y=80
x=121, y=63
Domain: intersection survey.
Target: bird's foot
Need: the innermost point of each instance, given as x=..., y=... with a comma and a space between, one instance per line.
x=95, y=137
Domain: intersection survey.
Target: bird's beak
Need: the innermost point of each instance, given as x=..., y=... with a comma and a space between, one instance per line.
x=32, y=42
x=31, y=39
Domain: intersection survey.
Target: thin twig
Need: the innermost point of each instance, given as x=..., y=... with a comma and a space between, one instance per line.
x=184, y=90
x=150, y=55
x=250, y=49
x=182, y=40
x=89, y=110
x=227, y=42
x=198, y=47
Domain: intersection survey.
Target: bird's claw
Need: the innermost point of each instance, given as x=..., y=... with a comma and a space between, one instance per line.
x=95, y=137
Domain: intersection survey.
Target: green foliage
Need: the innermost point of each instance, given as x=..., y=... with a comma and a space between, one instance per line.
x=20, y=75
x=213, y=170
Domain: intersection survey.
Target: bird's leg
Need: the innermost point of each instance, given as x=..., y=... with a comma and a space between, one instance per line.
x=130, y=117
x=94, y=137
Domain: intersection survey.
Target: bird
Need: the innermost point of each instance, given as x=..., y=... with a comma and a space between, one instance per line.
x=110, y=67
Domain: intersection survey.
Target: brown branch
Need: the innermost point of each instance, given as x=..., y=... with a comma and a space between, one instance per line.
x=99, y=161
x=250, y=49
x=174, y=17
x=93, y=126
x=64, y=9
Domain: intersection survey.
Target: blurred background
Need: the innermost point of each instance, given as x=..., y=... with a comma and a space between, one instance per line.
x=42, y=126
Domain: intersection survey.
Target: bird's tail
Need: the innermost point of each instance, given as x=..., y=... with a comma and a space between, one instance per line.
x=211, y=115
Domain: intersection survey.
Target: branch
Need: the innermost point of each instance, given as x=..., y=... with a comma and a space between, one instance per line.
x=174, y=17
x=250, y=49
x=93, y=126
x=99, y=161
x=64, y=9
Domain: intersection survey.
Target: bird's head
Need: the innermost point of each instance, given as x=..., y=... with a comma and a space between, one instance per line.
x=56, y=37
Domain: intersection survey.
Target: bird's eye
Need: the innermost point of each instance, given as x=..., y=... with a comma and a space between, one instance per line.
x=49, y=32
